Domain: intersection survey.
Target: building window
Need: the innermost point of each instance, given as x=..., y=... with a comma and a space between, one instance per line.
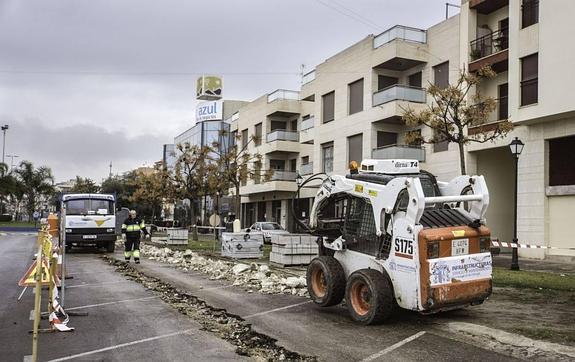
x=440, y=146
x=386, y=139
x=356, y=96
x=529, y=13
x=355, y=148
x=277, y=165
x=414, y=80
x=529, y=79
x=305, y=160
x=328, y=107
x=561, y=170
x=244, y=138
x=327, y=156
x=441, y=75
x=258, y=134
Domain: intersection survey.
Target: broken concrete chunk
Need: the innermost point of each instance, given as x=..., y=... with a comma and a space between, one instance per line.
x=240, y=268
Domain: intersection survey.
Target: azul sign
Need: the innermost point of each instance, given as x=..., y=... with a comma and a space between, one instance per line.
x=459, y=268
x=207, y=111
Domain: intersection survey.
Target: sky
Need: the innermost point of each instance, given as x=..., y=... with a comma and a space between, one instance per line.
x=87, y=82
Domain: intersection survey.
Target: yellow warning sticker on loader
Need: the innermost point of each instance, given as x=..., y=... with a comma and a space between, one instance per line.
x=358, y=188
x=458, y=233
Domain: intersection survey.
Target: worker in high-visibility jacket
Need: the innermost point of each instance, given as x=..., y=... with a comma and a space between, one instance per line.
x=133, y=227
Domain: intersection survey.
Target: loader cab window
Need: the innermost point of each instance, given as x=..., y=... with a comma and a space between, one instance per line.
x=359, y=229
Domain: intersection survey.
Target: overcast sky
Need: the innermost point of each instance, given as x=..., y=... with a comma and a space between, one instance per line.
x=86, y=82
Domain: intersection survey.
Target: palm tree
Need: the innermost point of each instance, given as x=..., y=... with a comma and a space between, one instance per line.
x=35, y=183
x=7, y=185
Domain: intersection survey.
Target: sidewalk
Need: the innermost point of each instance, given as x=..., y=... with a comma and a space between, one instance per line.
x=549, y=266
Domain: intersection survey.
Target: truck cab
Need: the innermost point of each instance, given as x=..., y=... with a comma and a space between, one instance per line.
x=89, y=220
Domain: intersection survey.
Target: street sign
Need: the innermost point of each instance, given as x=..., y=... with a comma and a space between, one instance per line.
x=29, y=278
x=214, y=220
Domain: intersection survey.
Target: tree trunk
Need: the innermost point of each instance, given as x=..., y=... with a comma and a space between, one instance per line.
x=238, y=203
x=462, y=157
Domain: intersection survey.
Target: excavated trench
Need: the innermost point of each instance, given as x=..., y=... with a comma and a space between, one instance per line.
x=229, y=327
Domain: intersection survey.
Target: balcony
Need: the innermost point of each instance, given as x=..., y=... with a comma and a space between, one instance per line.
x=307, y=124
x=399, y=152
x=283, y=94
x=400, y=32
x=399, y=48
x=490, y=49
x=308, y=77
x=282, y=135
x=399, y=92
x=306, y=169
x=499, y=114
x=487, y=6
x=282, y=175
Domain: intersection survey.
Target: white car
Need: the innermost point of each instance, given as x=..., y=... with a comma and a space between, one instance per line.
x=268, y=229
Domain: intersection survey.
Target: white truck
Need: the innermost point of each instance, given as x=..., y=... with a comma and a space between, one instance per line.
x=393, y=236
x=90, y=220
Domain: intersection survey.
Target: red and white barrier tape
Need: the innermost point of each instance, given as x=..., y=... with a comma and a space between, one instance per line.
x=502, y=244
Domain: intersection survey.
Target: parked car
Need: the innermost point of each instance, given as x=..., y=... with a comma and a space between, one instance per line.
x=268, y=229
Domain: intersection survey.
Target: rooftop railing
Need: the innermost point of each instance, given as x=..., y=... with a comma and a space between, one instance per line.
x=400, y=32
x=399, y=92
x=283, y=94
x=308, y=77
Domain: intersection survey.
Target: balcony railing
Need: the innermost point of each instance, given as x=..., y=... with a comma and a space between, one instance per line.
x=308, y=77
x=489, y=44
x=281, y=175
x=399, y=152
x=500, y=113
x=282, y=135
x=306, y=169
x=283, y=94
x=399, y=92
x=307, y=123
x=400, y=32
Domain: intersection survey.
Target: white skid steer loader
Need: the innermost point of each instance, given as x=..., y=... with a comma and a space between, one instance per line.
x=392, y=236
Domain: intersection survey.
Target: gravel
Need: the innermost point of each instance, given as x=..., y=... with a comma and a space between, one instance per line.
x=252, y=277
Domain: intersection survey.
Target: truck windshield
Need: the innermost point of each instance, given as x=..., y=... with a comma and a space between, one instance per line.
x=89, y=207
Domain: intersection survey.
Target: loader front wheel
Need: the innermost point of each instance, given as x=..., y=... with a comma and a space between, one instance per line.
x=325, y=281
x=369, y=296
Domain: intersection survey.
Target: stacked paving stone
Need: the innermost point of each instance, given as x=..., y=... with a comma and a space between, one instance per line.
x=293, y=249
x=252, y=277
x=243, y=245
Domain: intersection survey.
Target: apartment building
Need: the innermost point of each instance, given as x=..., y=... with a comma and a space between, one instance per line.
x=349, y=108
x=269, y=126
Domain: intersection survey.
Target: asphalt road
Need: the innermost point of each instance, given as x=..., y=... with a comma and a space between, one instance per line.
x=125, y=322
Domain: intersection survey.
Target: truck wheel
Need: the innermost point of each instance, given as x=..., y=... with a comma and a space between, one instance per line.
x=325, y=281
x=369, y=296
x=111, y=247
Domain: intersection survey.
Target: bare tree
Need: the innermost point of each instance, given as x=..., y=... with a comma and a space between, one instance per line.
x=454, y=111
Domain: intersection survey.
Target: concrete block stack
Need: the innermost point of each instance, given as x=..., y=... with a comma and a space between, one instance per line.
x=293, y=249
x=243, y=245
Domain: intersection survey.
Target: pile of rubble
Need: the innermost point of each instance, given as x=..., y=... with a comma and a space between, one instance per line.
x=252, y=277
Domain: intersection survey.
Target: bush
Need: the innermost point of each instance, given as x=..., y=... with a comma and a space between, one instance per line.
x=5, y=218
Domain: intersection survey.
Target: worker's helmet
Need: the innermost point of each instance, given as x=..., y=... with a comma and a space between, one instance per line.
x=133, y=213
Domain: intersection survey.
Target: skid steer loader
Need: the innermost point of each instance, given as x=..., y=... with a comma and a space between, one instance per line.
x=390, y=235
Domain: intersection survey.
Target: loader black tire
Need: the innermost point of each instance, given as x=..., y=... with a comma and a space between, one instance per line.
x=369, y=296
x=325, y=281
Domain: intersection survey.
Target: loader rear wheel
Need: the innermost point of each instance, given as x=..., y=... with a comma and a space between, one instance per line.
x=325, y=281
x=369, y=296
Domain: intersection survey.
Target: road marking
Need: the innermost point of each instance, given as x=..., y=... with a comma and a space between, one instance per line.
x=110, y=303
x=121, y=345
x=275, y=310
x=96, y=284
x=393, y=347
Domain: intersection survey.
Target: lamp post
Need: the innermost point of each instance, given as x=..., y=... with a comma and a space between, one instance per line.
x=516, y=147
x=299, y=181
x=4, y=129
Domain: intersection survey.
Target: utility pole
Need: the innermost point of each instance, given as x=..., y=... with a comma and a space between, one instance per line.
x=110, y=175
x=4, y=129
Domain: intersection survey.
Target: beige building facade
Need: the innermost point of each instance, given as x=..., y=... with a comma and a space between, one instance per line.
x=349, y=108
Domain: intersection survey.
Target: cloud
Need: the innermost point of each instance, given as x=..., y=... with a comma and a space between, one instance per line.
x=81, y=149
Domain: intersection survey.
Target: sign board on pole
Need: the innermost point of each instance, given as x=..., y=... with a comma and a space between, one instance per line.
x=209, y=87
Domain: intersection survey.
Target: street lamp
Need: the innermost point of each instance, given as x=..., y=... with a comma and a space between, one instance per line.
x=298, y=181
x=516, y=147
x=4, y=129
